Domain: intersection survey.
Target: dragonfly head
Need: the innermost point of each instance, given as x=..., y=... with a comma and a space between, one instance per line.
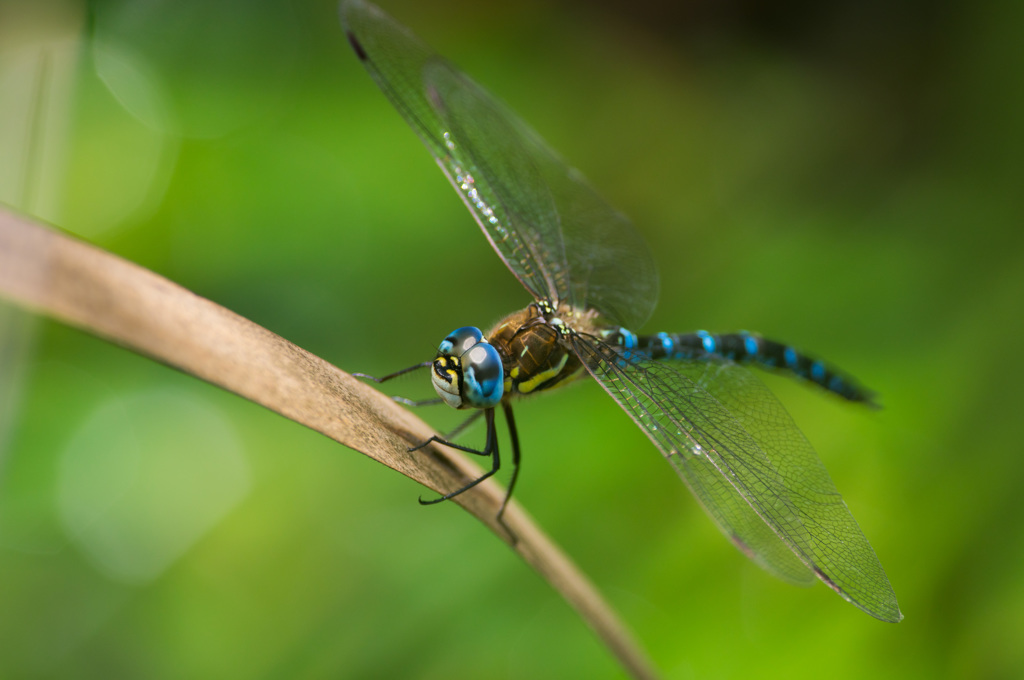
x=468, y=372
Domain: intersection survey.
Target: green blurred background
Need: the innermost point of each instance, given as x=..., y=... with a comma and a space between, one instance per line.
x=843, y=176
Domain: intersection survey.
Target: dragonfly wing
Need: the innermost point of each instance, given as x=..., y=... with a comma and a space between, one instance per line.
x=497, y=171
x=591, y=254
x=735, y=446
x=552, y=230
x=419, y=84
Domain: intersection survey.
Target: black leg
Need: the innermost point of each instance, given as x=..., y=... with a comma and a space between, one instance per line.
x=425, y=364
x=403, y=400
x=491, y=449
x=487, y=451
x=447, y=439
x=514, y=436
x=463, y=425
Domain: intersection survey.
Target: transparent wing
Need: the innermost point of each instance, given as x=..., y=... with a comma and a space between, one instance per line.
x=754, y=472
x=559, y=238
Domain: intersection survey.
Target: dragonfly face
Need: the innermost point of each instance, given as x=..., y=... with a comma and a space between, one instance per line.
x=467, y=371
x=592, y=279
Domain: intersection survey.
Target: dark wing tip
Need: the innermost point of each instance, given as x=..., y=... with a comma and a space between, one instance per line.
x=889, y=614
x=356, y=45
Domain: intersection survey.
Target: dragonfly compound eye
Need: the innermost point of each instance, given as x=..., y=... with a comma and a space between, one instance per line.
x=459, y=341
x=483, y=377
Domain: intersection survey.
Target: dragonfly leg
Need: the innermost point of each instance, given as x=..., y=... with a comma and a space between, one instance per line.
x=402, y=400
x=514, y=437
x=463, y=425
x=490, y=449
x=367, y=376
x=447, y=439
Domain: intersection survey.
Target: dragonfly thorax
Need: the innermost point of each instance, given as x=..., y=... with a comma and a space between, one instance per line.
x=535, y=349
x=528, y=351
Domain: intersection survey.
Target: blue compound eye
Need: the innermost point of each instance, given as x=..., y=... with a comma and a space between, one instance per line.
x=460, y=340
x=468, y=372
x=483, y=377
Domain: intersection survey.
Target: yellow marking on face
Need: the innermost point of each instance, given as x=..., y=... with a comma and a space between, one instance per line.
x=514, y=373
x=449, y=368
x=542, y=377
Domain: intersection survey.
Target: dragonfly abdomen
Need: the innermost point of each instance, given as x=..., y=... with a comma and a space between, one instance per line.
x=746, y=348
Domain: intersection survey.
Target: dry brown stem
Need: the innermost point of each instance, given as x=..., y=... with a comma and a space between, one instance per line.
x=58, y=276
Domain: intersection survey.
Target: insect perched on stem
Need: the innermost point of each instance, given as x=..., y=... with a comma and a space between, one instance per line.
x=592, y=279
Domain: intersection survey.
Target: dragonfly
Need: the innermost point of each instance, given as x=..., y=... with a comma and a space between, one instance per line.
x=593, y=278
